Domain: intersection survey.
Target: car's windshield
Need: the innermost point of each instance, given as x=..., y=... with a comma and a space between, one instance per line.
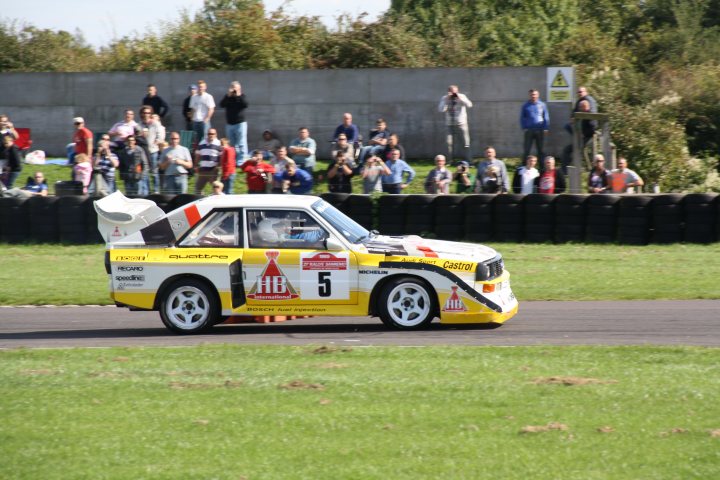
x=345, y=225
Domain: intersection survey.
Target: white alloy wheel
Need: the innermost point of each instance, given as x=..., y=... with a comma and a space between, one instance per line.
x=406, y=304
x=188, y=307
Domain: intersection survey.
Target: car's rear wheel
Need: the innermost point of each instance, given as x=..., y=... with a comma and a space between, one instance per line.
x=189, y=306
x=406, y=304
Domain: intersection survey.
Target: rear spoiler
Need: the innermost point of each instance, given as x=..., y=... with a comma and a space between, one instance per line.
x=119, y=216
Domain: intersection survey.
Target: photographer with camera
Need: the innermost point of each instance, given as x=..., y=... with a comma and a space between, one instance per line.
x=235, y=103
x=462, y=178
x=340, y=173
x=104, y=168
x=7, y=129
x=258, y=174
x=454, y=105
x=438, y=179
x=175, y=161
x=372, y=173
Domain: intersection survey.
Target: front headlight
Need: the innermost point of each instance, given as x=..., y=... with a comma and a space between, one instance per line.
x=489, y=269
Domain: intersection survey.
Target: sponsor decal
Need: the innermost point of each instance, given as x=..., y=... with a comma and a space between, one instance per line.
x=130, y=278
x=373, y=272
x=324, y=261
x=324, y=276
x=198, y=256
x=427, y=251
x=130, y=268
x=272, y=284
x=116, y=232
x=454, y=303
x=464, y=266
x=130, y=258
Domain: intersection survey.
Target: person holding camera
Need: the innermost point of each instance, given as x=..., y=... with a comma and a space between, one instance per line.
x=438, y=179
x=340, y=173
x=234, y=102
x=454, y=105
x=372, y=173
x=175, y=161
x=461, y=177
x=7, y=129
x=294, y=180
x=104, y=167
x=258, y=174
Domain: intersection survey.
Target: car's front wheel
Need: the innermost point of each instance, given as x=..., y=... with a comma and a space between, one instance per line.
x=189, y=306
x=406, y=304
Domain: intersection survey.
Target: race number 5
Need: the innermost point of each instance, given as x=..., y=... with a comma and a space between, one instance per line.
x=324, y=284
x=324, y=276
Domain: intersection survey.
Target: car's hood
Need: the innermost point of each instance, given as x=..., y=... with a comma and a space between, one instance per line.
x=414, y=246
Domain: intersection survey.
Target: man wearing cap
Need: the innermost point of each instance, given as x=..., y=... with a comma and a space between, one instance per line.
x=235, y=103
x=187, y=111
x=82, y=140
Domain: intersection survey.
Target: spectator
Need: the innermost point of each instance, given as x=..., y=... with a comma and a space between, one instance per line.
x=151, y=133
x=392, y=144
x=624, y=180
x=378, y=138
x=155, y=101
x=82, y=171
x=394, y=182
x=258, y=174
x=207, y=160
x=482, y=177
x=372, y=173
x=455, y=105
x=227, y=166
x=104, y=167
x=438, y=179
x=344, y=147
x=599, y=177
x=340, y=173
x=218, y=186
x=133, y=164
x=279, y=161
x=121, y=130
x=295, y=180
x=269, y=144
x=82, y=140
x=175, y=161
x=551, y=180
x=10, y=161
x=203, y=108
x=7, y=128
x=235, y=103
x=302, y=150
x=525, y=175
x=492, y=180
x=461, y=177
x=35, y=186
x=535, y=122
x=587, y=127
x=349, y=129
x=583, y=95
x=187, y=111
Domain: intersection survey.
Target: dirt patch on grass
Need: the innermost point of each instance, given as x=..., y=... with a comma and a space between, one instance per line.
x=606, y=429
x=332, y=365
x=39, y=371
x=544, y=428
x=715, y=433
x=571, y=381
x=674, y=431
x=330, y=349
x=300, y=385
x=200, y=386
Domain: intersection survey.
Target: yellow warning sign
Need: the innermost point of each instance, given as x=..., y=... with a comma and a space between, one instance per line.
x=559, y=81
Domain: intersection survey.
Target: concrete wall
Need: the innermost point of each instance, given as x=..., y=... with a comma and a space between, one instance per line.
x=284, y=100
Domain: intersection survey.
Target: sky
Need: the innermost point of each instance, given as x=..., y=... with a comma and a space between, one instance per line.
x=101, y=21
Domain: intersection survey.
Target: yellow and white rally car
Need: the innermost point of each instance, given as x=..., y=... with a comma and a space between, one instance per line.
x=290, y=255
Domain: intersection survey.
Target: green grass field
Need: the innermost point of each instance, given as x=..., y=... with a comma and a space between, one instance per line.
x=231, y=412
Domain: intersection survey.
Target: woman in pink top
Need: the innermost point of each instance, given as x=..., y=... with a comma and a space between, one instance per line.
x=82, y=171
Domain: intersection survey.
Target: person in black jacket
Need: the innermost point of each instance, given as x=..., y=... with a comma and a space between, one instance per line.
x=10, y=161
x=155, y=101
x=235, y=103
x=187, y=111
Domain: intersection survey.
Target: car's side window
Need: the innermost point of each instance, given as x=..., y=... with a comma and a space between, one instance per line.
x=220, y=229
x=284, y=229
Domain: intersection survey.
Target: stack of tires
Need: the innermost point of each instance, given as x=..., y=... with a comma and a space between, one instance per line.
x=667, y=218
x=13, y=220
x=92, y=233
x=42, y=213
x=72, y=219
x=700, y=212
x=449, y=217
x=360, y=209
x=419, y=214
x=539, y=225
x=478, y=217
x=391, y=214
x=570, y=218
x=508, y=215
x=634, y=220
x=182, y=199
x=601, y=218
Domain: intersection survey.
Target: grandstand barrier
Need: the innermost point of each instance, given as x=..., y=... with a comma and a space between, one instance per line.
x=535, y=218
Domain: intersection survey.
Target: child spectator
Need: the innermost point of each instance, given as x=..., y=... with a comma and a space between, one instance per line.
x=217, y=186
x=227, y=166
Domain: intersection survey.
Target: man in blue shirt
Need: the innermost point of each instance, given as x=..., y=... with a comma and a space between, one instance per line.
x=393, y=183
x=293, y=179
x=349, y=129
x=535, y=122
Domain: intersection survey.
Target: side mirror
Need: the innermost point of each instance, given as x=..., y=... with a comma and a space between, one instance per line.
x=332, y=244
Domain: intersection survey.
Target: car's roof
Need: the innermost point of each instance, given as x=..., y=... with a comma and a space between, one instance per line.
x=270, y=200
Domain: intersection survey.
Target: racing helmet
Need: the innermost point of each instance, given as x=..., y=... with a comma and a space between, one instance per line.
x=266, y=231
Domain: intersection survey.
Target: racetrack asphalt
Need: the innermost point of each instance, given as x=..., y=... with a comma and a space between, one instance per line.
x=663, y=322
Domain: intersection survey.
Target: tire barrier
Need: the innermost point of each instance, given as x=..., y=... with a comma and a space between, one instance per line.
x=509, y=218
x=625, y=219
x=479, y=217
x=539, y=224
x=667, y=218
x=419, y=214
x=570, y=218
x=700, y=213
x=162, y=200
x=449, y=217
x=601, y=218
x=634, y=220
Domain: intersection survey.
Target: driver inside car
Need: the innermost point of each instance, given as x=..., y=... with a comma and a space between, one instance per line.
x=278, y=231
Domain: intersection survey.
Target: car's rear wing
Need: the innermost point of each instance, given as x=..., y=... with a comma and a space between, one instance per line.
x=119, y=216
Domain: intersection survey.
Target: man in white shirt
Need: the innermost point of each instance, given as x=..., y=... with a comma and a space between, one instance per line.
x=525, y=175
x=454, y=105
x=203, y=108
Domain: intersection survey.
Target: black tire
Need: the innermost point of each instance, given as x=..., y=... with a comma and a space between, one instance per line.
x=406, y=303
x=189, y=306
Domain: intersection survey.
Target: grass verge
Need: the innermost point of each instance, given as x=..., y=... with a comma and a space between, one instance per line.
x=231, y=412
x=62, y=275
